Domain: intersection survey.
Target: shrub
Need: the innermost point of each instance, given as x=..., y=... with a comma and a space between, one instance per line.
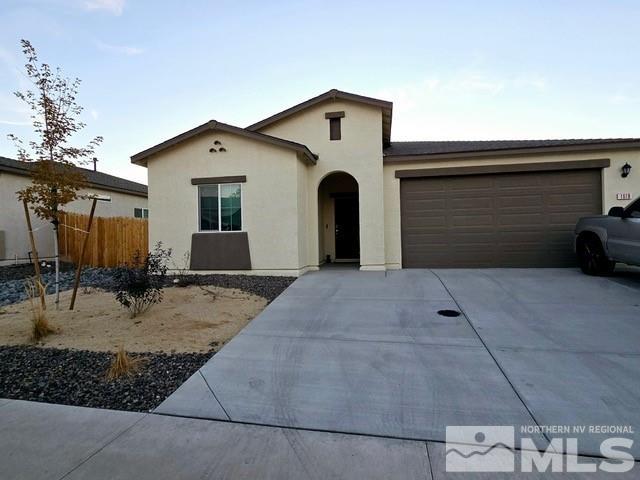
x=40, y=327
x=138, y=285
x=123, y=365
x=182, y=278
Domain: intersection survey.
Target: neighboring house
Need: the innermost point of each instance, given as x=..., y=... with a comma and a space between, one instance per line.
x=322, y=181
x=128, y=199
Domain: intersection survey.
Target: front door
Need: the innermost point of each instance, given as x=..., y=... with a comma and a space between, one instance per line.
x=347, y=228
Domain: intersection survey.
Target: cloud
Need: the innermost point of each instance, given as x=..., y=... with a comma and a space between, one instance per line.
x=15, y=123
x=13, y=111
x=119, y=49
x=476, y=83
x=94, y=114
x=470, y=104
x=623, y=99
x=535, y=81
x=115, y=7
x=11, y=64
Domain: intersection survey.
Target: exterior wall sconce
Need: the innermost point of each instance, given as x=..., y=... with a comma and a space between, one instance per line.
x=626, y=170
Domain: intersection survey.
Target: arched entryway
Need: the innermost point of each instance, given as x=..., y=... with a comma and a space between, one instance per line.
x=338, y=219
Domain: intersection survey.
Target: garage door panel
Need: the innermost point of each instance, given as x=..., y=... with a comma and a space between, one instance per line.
x=572, y=178
x=471, y=220
x=415, y=224
x=472, y=202
x=511, y=201
x=497, y=220
x=562, y=220
x=521, y=219
x=429, y=204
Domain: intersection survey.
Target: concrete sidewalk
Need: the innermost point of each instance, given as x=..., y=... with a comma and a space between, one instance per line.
x=42, y=441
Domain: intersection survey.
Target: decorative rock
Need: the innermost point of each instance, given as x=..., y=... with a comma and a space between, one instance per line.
x=77, y=377
x=12, y=281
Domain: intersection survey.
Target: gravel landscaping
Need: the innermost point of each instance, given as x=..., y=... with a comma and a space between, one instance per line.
x=77, y=377
x=24, y=270
x=263, y=286
x=12, y=281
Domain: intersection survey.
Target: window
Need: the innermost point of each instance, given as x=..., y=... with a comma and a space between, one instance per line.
x=141, y=212
x=334, y=124
x=220, y=207
x=334, y=129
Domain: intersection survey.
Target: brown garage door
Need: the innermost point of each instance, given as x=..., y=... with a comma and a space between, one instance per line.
x=496, y=220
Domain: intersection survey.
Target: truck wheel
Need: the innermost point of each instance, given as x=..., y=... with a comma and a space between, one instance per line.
x=592, y=258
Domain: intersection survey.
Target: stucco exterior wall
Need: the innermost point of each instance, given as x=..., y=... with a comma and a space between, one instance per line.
x=612, y=183
x=270, y=197
x=12, y=221
x=358, y=153
x=303, y=216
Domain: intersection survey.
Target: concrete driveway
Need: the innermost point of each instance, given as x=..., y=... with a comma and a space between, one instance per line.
x=367, y=352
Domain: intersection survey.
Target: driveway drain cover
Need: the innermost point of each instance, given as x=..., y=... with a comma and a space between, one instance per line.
x=449, y=313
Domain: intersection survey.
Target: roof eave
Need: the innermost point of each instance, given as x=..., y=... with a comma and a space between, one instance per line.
x=25, y=172
x=141, y=157
x=399, y=158
x=119, y=190
x=334, y=94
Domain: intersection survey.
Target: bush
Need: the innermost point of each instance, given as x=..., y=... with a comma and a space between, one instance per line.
x=123, y=365
x=138, y=285
x=40, y=327
x=181, y=277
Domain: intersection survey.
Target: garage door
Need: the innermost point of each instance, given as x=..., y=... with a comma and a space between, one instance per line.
x=496, y=220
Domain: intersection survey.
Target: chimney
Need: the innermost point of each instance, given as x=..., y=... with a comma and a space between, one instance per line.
x=95, y=164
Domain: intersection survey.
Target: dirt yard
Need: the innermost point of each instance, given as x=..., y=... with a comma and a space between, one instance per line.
x=190, y=319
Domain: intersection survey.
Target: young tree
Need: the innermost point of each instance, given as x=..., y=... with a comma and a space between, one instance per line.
x=55, y=115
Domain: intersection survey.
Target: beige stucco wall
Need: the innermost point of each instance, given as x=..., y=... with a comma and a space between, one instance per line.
x=302, y=170
x=12, y=221
x=358, y=153
x=281, y=209
x=272, y=207
x=612, y=184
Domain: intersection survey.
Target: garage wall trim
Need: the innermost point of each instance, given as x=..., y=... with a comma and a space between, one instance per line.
x=511, y=168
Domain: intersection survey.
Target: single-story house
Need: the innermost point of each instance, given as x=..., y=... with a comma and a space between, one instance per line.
x=323, y=182
x=128, y=199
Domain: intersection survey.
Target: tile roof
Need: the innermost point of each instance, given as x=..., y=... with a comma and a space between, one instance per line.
x=473, y=146
x=95, y=179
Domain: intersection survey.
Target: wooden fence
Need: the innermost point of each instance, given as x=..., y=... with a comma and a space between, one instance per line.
x=113, y=241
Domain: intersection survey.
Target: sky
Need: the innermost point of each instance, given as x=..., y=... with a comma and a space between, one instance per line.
x=455, y=70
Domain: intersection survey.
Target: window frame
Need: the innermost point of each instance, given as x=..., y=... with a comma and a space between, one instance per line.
x=142, y=213
x=335, y=119
x=199, y=225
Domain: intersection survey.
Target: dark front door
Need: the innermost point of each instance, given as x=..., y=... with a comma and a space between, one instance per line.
x=347, y=228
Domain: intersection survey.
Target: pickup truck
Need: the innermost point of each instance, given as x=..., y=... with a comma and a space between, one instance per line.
x=603, y=240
